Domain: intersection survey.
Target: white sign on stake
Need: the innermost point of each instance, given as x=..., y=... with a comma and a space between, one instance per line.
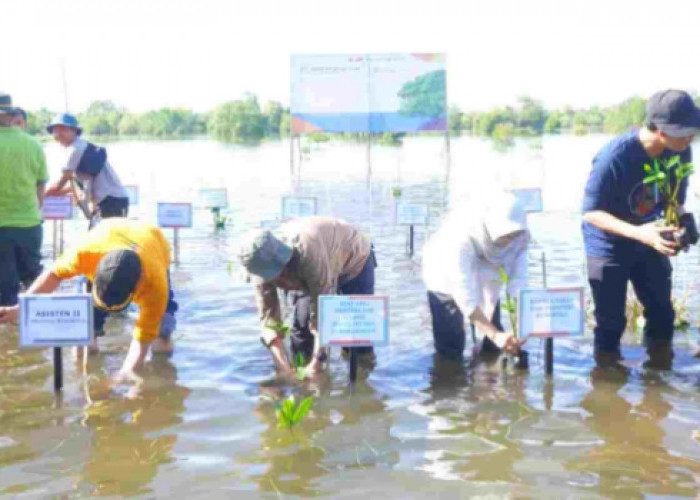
x=531, y=198
x=353, y=320
x=553, y=312
x=175, y=215
x=213, y=198
x=55, y=320
x=293, y=206
x=412, y=213
x=133, y=194
x=57, y=208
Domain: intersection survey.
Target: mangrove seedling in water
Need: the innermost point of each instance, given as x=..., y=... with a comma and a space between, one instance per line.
x=290, y=413
x=667, y=176
x=511, y=306
x=278, y=327
x=300, y=366
x=219, y=220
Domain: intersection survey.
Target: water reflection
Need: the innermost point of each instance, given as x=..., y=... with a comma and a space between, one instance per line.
x=633, y=461
x=131, y=438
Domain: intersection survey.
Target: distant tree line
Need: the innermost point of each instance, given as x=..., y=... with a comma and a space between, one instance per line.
x=245, y=120
x=529, y=118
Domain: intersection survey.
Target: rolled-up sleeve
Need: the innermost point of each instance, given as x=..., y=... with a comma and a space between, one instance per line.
x=269, y=309
x=466, y=291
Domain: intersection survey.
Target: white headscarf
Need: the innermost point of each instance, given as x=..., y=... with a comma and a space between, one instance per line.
x=502, y=215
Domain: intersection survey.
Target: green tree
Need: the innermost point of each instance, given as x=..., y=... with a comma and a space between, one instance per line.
x=530, y=115
x=238, y=121
x=273, y=114
x=454, y=121
x=425, y=95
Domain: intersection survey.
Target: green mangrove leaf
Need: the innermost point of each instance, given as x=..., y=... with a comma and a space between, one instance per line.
x=648, y=169
x=503, y=275
x=302, y=410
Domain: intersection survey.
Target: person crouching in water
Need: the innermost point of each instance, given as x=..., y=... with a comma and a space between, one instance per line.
x=127, y=261
x=461, y=271
x=310, y=257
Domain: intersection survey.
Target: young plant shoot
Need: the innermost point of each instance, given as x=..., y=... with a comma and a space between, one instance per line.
x=290, y=413
x=667, y=176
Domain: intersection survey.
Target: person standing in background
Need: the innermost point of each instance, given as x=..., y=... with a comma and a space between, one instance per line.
x=88, y=164
x=23, y=177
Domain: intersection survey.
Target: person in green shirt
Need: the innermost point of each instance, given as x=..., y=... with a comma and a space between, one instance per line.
x=24, y=175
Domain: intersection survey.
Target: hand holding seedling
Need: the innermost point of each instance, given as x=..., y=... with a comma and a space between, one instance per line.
x=652, y=234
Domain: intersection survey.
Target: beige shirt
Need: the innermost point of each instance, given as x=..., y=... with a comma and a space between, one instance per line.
x=331, y=252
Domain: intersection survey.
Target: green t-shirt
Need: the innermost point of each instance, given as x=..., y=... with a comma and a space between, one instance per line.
x=22, y=167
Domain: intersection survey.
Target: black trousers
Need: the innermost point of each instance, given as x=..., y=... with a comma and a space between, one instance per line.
x=448, y=325
x=650, y=275
x=20, y=260
x=302, y=341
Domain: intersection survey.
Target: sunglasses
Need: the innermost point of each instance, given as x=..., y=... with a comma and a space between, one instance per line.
x=114, y=308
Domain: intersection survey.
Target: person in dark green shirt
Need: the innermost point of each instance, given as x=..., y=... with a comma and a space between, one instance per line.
x=24, y=175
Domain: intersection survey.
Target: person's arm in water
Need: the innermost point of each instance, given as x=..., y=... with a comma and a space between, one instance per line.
x=650, y=234
x=466, y=296
x=503, y=340
x=47, y=282
x=270, y=314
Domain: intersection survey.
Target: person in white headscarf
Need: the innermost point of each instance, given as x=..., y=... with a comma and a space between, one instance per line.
x=461, y=270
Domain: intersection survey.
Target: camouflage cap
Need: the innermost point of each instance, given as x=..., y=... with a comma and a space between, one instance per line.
x=264, y=255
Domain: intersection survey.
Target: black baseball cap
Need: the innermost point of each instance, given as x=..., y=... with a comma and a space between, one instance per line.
x=116, y=278
x=674, y=113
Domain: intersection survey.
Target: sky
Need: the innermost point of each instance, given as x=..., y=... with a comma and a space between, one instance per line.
x=147, y=54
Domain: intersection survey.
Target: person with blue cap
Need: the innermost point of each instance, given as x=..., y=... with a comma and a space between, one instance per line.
x=23, y=176
x=310, y=257
x=87, y=163
x=623, y=239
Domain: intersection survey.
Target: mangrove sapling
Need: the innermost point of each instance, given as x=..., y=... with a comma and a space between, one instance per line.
x=219, y=220
x=300, y=366
x=290, y=413
x=278, y=327
x=511, y=306
x=667, y=176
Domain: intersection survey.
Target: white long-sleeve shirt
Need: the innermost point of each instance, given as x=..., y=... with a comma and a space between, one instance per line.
x=455, y=263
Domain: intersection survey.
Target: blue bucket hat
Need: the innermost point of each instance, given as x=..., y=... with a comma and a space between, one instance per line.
x=264, y=255
x=6, y=104
x=65, y=119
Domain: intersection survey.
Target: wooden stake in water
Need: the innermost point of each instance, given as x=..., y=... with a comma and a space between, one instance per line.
x=176, y=244
x=54, y=244
x=549, y=342
x=60, y=238
x=353, y=365
x=57, y=369
x=410, y=240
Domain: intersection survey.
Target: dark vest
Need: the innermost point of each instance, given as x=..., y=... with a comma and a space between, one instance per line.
x=93, y=160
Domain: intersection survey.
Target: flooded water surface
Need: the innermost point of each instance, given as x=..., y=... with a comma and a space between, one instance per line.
x=204, y=425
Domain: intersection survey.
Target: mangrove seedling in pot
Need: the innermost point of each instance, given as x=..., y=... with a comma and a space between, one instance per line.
x=667, y=176
x=511, y=306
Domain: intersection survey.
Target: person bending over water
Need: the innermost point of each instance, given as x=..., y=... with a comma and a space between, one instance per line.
x=461, y=270
x=310, y=256
x=127, y=261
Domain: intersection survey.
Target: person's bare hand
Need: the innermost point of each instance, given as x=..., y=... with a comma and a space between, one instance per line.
x=507, y=342
x=9, y=314
x=313, y=368
x=651, y=234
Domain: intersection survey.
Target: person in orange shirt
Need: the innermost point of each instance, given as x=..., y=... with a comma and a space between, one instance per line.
x=127, y=261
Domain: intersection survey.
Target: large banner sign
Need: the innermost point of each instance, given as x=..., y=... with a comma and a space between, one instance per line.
x=368, y=93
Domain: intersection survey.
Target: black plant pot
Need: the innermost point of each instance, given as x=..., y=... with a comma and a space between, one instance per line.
x=523, y=361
